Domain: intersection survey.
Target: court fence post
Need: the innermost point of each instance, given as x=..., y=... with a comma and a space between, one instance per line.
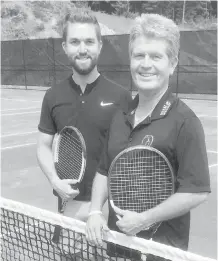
x=54, y=67
x=24, y=63
x=177, y=77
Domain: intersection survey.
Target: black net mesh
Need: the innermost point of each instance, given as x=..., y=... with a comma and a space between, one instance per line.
x=26, y=235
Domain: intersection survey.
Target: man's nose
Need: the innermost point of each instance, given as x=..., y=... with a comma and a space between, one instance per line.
x=147, y=61
x=82, y=48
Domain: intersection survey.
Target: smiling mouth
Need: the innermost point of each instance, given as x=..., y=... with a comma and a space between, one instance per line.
x=83, y=58
x=147, y=75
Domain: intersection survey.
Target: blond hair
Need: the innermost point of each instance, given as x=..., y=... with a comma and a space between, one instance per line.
x=159, y=27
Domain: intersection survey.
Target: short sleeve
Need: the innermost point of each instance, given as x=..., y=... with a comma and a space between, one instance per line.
x=124, y=103
x=103, y=165
x=46, y=123
x=193, y=171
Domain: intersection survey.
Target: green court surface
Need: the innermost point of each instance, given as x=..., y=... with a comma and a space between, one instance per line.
x=22, y=180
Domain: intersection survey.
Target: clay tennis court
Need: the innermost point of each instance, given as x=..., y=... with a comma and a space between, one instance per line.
x=22, y=179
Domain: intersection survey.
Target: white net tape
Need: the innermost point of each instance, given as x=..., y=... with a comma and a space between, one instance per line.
x=144, y=246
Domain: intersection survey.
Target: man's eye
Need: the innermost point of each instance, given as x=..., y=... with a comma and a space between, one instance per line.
x=139, y=55
x=74, y=42
x=89, y=42
x=156, y=57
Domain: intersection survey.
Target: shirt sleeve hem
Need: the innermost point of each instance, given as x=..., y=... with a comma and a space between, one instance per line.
x=194, y=189
x=46, y=131
x=102, y=172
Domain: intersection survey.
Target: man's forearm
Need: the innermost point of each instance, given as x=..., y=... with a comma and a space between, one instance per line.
x=175, y=206
x=45, y=160
x=99, y=192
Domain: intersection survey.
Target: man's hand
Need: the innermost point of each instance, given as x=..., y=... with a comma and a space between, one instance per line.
x=131, y=223
x=95, y=227
x=64, y=188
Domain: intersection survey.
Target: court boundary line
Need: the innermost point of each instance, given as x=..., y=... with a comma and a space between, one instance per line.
x=213, y=165
x=20, y=109
x=20, y=100
x=31, y=144
x=207, y=116
x=18, y=146
x=212, y=151
x=19, y=113
x=27, y=144
x=18, y=134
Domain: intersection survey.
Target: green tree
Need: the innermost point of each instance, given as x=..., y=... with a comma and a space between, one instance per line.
x=213, y=8
x=120, y=7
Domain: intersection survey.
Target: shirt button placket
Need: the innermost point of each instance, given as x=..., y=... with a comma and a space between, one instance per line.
x=82, y=98
x=130, y=139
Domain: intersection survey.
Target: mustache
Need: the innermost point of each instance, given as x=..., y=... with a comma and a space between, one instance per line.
x=82, y=56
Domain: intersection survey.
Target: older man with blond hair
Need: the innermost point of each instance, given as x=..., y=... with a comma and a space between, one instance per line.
x=172, y=127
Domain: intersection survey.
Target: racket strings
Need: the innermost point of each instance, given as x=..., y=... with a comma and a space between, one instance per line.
x=70, y=156
x=67, y=154
x=140, y=180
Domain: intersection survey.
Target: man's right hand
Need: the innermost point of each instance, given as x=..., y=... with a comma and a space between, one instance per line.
x=95, y=227
x=64, y=188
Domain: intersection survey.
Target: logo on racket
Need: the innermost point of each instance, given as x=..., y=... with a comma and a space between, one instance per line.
x=148, y=140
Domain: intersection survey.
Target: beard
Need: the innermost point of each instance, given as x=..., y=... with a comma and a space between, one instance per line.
x=84, y=69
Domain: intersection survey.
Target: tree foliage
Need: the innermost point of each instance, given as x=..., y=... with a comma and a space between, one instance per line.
x=176, y=10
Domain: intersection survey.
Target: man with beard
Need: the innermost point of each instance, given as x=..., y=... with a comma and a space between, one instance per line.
x=86, y=100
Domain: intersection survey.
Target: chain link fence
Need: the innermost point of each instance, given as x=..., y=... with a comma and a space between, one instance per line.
x=42, y=62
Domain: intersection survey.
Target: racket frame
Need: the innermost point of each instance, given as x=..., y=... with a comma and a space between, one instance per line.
x=140, y=147
x=55, y=149
x=84, y=153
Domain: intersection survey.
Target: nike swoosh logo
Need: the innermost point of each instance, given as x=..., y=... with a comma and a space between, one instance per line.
x=105, y=103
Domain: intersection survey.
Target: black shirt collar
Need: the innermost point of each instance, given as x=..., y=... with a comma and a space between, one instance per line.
x=160, y=111
x=89, y=86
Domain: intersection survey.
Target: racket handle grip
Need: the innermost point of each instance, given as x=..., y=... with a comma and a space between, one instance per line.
x=63, y=206
x=119, y=217
x=74, y=186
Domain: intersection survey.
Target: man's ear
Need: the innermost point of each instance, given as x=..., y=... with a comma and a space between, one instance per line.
x=64, y=46
x=100, y=46
x=174, y=63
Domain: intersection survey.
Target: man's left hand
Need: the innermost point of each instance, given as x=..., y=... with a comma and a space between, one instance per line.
x=130, y=222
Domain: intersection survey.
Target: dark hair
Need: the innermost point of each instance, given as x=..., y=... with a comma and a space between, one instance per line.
x=81, y=16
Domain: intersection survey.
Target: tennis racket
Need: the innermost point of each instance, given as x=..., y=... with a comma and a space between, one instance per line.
x=69, y=153
x=140, y=178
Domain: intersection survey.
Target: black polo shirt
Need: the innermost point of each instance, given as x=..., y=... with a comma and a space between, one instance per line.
x=91, y=112
x=175, y=130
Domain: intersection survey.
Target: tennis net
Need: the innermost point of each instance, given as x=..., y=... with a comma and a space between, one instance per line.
x=26, y=235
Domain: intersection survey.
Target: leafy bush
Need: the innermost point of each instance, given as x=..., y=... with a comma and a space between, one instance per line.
x=130, y=15
x=120, y=7
x=40, y=27
x=10, y=11
x=80, y=4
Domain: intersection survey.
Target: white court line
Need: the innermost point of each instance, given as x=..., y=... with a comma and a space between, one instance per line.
x=20, y=109
x=18, y=134
x=20, y=100
x=212, y=151
x=18, y=146
x=19, y=113
x=207, y=116
x=213, y=165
